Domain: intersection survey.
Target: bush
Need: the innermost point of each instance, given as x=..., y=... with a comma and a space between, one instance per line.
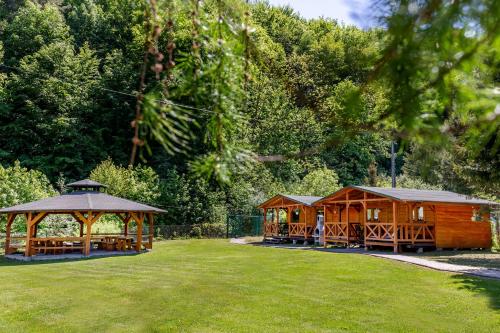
x=19, y=185
x=138, y=183
x=320, y=182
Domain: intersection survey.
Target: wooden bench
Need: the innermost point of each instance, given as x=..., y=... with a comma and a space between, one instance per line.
x=12, y=249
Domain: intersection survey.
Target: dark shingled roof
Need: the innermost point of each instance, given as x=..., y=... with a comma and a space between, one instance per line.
x=300, y=199
x=404, y=194
x=303, y=199
x=86, y=183
x=82, y=201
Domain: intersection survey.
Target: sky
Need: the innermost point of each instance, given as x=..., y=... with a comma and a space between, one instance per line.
x=343, y=10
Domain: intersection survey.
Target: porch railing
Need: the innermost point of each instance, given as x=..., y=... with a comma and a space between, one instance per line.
x=297, y=229
x=405, y=232
x=336, y=231
x=270, y=229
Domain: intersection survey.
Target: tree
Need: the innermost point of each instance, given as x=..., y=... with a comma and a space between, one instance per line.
x=49, y=106
x=33, y=27
x=440, y=66
x=139, y=183
x=405, y=181
x=320, y=182
x=20, y=185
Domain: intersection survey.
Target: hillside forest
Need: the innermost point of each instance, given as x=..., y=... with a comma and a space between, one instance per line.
x=207, y=108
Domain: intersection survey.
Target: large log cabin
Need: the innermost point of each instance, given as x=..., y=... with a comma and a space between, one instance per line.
x=289, y=217
x=399, y=217
x=374, y=216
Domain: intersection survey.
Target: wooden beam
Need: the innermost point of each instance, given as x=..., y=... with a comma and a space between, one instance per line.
x=151, y=229
x=79, y=217
x=364, y=217
x=27, y=252
x=305, y=221
x=139, y=218
x=88, y=223
x=354, y=201
x=10, y=220
x=347, y=214
x=38, y=218
x=324, y=225
x=395, y=226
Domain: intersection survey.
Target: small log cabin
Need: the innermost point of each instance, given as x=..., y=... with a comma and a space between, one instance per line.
x=289, y=217
x=397, y=217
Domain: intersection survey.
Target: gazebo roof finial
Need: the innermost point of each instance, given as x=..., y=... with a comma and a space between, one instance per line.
x=86, y=184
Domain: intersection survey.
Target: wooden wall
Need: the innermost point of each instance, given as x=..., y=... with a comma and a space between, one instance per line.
x=455, y=229
x=311, y=216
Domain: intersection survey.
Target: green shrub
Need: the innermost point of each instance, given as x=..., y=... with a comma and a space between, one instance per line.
x=19, y=185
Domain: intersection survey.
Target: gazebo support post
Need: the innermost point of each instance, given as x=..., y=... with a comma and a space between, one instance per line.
x=27, y=251
x=151, y=230
x=81, y=228
x=10, y=220
x=30, y=225
x=88, y=221
x=138, y=218
x=125, y=219
x=88, y=234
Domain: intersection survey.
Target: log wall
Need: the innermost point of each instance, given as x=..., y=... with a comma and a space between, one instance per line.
x=455, y=229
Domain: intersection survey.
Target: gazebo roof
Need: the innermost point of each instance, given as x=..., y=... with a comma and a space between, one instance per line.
x=82, y=201
x=85, y=183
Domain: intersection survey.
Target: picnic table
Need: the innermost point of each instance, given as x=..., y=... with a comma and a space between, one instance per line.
x=55, y=245
x=115, y=243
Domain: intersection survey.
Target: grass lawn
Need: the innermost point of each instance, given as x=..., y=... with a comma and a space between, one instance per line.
x=214, y=286
x=485, y=258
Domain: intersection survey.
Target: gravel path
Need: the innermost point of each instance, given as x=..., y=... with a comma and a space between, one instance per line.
x=461, y=269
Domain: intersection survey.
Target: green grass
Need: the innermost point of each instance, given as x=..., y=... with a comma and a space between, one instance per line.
x=214, y=286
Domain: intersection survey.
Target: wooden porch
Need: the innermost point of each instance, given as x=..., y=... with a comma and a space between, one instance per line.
x=365, y=219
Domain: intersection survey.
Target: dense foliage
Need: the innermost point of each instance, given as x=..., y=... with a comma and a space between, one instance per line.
x=231, y=103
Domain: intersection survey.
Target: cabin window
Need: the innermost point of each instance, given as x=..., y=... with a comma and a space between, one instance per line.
x=418, y=213
x=295, y=215
x=476, y=215
x=372, y=214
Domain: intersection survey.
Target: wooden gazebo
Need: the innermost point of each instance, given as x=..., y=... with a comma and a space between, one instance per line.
x=86, y=203
x=398, y=217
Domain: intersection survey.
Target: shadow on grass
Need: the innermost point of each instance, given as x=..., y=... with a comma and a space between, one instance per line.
x=480, y=286
x=13, y=262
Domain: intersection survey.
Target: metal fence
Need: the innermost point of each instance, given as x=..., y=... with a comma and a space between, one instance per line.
x=245, y=225
x=235, y=226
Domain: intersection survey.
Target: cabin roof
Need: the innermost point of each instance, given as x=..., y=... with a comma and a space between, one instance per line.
x=82, y=201
x=404, y=194
x=300, y=199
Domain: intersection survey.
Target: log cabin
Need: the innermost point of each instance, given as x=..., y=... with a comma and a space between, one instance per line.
x=396, y=217
x=289, y=217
